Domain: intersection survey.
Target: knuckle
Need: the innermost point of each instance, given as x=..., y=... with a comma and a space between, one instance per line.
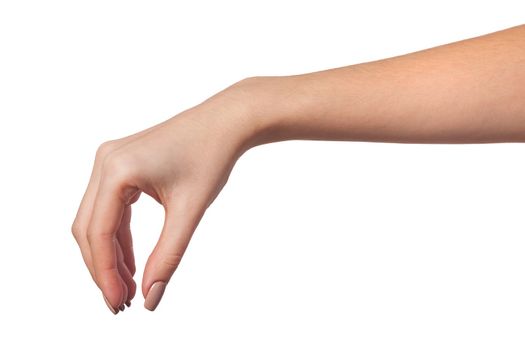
x=105, y=149
x=118, y=165
x=76, y=229
x=171, y=261
x=92, y=236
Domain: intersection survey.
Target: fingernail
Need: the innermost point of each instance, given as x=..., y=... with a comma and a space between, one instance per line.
x=109, y=306
x=128, y=303
x=154, y=295
x=121, y=307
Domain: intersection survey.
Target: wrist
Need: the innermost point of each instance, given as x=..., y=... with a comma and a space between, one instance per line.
x=267, y=103
x=259, y=110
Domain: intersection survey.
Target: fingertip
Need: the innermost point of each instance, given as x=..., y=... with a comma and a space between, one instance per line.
x=157, y=270
x=154, y=295
x=132, y=291
x=155, y=279
x=125, y=293
x=110, y=307
x=113, y=291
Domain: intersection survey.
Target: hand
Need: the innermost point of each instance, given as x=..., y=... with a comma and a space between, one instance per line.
x=183, y=163
x=448, y=94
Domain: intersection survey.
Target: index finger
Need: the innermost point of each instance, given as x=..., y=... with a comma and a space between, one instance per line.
x=105, y=220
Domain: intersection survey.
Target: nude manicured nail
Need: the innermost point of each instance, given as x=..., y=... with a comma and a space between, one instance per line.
x=154, y=295
x=109, y=306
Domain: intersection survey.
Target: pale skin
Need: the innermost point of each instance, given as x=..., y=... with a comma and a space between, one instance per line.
x=471, y=91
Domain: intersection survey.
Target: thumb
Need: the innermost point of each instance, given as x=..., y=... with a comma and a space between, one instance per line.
x=181, y=219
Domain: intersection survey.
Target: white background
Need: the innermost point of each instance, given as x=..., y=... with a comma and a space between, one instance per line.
x=323, y=245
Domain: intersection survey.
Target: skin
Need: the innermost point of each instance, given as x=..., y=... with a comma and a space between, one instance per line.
x=471, y=91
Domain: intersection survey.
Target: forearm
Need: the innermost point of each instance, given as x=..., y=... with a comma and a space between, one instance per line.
x=465, y=92
x=471, y=91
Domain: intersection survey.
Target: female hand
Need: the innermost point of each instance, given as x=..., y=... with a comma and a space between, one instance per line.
x=464, y=92
x=183, y=163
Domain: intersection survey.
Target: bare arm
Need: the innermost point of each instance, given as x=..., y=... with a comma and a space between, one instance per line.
x=469, y=91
